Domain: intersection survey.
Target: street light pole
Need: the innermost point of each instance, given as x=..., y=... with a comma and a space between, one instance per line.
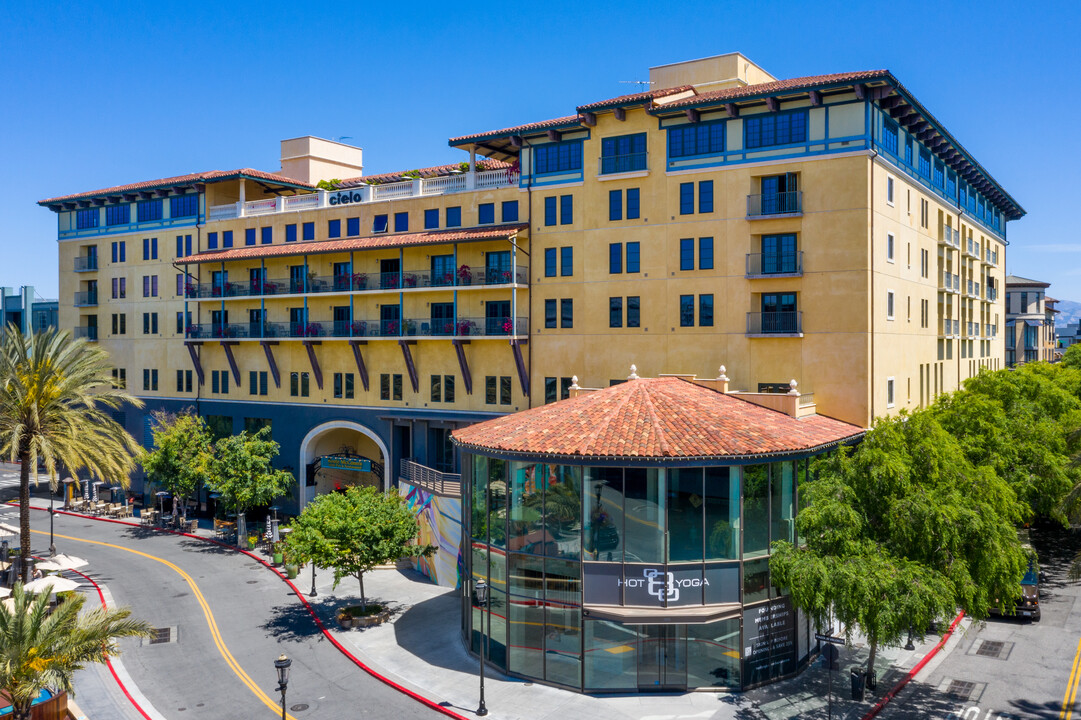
x=52, y=545
x=313, y=593
x=481, y=589
x=282, y=666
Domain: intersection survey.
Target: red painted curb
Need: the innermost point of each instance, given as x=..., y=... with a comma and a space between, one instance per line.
x=326, y=633
x=915, y=670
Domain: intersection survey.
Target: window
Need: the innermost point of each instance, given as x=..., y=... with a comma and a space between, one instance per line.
x=352, y=226
x=437, y=388
x=505, y=388
x=123, y=288
x=925, y=163
x=291, y=233
x=889, y=304
x=549, y=314
x=334, y=228
x=257, y=383
x=889, y=247
x=454, y=217
x=184, y=206
x=939, y=177
x=183, y=380
x=266, y=235
x=553, y=392
x=249, y=236
x=431, y=218
x=120, y=251
x=117, y=214
x=212, y=241
x=705, y=253
x=120, y=378
x=686, y=198
x=634, y=315
x=308, y=231
x=925, y=213
x=150, y=323
x=558, y=157
x=150, y=380
x=566, y=313
x=490, y=385
x=889, y=392
x=615, y=258
x=227, y=238
x=298, y=384
x=633, y=257
x=343, y=385
x=705, y=310
x=566, y=261
x=85, y=219
x=889, y=190
x=150, y=248
x=623, y=153
x=219, y=382
x=149, y=210
x=486, y=213
x=550, y=210
x=183, y=245
x=779, y=313
x=686, y=254
x=549, y=262
x=390, y=387
x=908, y=152
x=703, y=138
x=120, y=323
x=686, y=310
x=780, y=194
x=615, y=204
x=705, y=196
x=380, y=223
x=448, y=388
x=775, y=129
x=401, y=222
x=566, y=209
x=615, y=312
x=633, y=203
x=889, y=136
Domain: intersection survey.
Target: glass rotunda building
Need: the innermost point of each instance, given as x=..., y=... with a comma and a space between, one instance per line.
x=624, y=535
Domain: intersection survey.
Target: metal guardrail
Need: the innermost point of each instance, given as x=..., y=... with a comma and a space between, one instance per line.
x=430, y=479
x=782, y=203
x=86, y=298
x=86, y=264
x=770, y=323
x=765, y=264
x=87, y=332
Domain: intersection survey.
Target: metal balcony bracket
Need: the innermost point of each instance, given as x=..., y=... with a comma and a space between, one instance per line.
x=195, y=359
x=309, y=345
x=519, y=362
x=361, y=367
x=228, y=347
x=273, y=365
x=413, y=379
x=467, y=376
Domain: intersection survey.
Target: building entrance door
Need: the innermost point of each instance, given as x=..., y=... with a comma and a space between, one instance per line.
x=662, y=657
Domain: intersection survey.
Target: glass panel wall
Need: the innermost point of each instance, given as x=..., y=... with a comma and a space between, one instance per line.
x=685, y=515
x=563, y=511
x=526, y=514
x=603, y=514
x=526, y=620
x=478, y=519
x=563, y=620
x=497, y=501
x=721, y=523
x=644, y=509
x=782, y=502
x=755, y=510
x=610, y=656
x=496, y=617
x=713, y=654
x=755, y=580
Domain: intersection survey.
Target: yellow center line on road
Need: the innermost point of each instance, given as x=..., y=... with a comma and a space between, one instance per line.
x=1071, y=686
x=229, y=659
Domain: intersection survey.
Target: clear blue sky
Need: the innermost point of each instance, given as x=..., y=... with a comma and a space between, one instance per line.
x=101, y=94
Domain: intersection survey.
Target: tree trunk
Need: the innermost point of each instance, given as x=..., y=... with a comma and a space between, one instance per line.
x=20, y=712
x=363, y=601
x=871, y=657
x=24, y=514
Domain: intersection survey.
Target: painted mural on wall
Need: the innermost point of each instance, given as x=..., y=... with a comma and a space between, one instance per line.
x=440, y=520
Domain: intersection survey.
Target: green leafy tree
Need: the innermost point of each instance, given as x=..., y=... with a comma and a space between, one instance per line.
x=332, y=184
x=180, y=460
x=42, y=648
x=902, y=532
x=241, y=471
x=354, y=531
x=1072, y=357
x=54, y=398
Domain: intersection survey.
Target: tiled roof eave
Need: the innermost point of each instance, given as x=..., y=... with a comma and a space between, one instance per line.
x=538, y=128
x=201, y=178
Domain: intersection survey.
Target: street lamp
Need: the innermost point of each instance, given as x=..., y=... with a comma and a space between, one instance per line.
x=282, y=666
x=313, y=593
x=481, y=590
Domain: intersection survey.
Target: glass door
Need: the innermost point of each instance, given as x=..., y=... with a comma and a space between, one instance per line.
x=662, y=657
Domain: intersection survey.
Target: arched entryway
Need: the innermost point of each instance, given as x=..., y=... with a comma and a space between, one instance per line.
x=341, y=453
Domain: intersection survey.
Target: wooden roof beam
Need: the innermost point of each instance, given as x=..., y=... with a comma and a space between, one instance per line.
x=409, y=364
x=620, y=113
x=309, y=345
x=554, y=135
x=692, y=115
x=732, y=109
x=228, y=347
x=773, y=104
x=195, y=360
x=590, y=119
x=361, y=367
x=274, y=365
x=889, y=102
x=816, y=98
x=463, y=364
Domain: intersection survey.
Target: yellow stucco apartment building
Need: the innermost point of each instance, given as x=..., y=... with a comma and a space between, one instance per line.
x=827, y=229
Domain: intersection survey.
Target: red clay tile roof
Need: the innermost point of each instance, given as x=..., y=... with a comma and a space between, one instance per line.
x=801, y=83
x=203, y=177
x=428, y=172
x=635, y=98
x=568, y=121
x=493, y=232
x=665, y=418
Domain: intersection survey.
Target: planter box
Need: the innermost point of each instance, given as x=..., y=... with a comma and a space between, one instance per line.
x=372, y=619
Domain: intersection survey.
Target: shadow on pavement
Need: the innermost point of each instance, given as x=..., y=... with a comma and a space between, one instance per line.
x=202, y=546
x=413, y=632
x=291, y=623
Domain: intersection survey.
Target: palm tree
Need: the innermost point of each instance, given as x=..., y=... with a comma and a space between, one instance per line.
x=54, y=393
x=42, y=649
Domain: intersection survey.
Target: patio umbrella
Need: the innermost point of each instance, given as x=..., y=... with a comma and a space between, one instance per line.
x=9, y=604
x=58, y=584
x=62, y=562
x=4, y=592
x=162, y=494
x=114, y=489
x=8, y=530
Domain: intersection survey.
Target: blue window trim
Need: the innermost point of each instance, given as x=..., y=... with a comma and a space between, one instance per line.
x=431, y=219
x=87, y=218
x=557, y=158
x=705, y=253
x=249, y=236
x=715, y=142
x=686, y=254
x=486, y=214
x=615, y=205
x=634, y=257
x=118, y=214
x=352, y=227
x=308, y=231
x=705, y=196
x=615, y=258
x=755, y=128
x=633, y=203
x=566, y=209
x=184, y=205
x=149, y=210
x=566, y=261
x=509, y=211
x=227, y=238
x=401, y=221
x=550, y=262
x=623, y=153
x=454, y=216
x=686, y=198
x=291, y=232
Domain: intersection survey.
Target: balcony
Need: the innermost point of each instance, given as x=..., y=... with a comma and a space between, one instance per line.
x=972, y=249
x=86, y=298
x=949, y=236
x=86, y=332
x=411, y=327
x=444, y=185
x=434, y=481
x=772, y=324
x=613, y=164
x=86, y=264
x=783, y=204
x=786, y=264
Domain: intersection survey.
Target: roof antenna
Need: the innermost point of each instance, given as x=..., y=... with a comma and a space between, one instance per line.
x=643, y=85
x=343, y=137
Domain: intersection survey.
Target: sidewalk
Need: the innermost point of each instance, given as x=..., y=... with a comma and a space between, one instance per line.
x=421, y=649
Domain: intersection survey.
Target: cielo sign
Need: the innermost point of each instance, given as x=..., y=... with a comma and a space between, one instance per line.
x=345, y=197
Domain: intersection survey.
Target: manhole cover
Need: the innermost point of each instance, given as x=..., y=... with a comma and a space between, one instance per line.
x=159, y=636
x=990, y=648
x=298, y=707
x=960, y=690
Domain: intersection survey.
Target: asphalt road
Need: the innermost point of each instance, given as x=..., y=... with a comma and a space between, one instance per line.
x=230, y=618
x=1007, y=668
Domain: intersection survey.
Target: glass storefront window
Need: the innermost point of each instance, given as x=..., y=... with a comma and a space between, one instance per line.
x=497, y=501
x=803, y=475
x=644, y=508
x=563, y=620
x=526, y=513
x=478, y=567
x=525, y=622
x=602, y=514
x=479, y=517
x=497, y=607
x=722, y=513
x=713, y=654
x=685, y=514
x=611, y=661
x=563, y=511
x=782, y=502
x=755, y=510
x=755, y=580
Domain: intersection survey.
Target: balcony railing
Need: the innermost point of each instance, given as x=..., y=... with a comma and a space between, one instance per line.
x=86, y=264
x=774, y=323
x=949, y=236
x=88, y=332
x=86, y=298
x=410, y=327
x=434, y=481
x=611, y=164
x=419, y=187
x=770, y=264
x=784, y=203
